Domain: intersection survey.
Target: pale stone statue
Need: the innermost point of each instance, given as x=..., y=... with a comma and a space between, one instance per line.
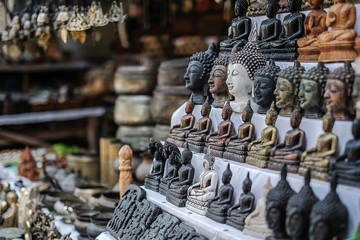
x=125, y=168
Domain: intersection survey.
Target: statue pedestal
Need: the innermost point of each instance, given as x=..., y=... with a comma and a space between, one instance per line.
x=308, y=54
x=337, y=51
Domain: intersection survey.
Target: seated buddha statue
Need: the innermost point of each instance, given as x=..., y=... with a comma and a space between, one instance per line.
x=216, y=140
x=199, y=193
x=270, y=28
x=195, y=137
x=219, y=205
x=178, y=186
x=338, y=44
x=239, y=30
x=239, y=212
x=259, y=150
x=318, y=158
x=217, y=81
x=152, y=179
x=237, y=145
x=289, y=152
x=173, y=166
x=178, y=131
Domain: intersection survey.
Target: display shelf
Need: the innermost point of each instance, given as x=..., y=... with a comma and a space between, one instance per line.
x=46, y=67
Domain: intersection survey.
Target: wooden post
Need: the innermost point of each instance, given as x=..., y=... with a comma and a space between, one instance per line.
x=104, y=156
x=114, y=148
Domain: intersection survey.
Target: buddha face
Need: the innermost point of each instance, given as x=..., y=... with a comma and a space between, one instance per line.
x=238, y=81
x=284, y=93
x=318, y=230
x=226, y=178
x=309, y=94
x=246, y=116
x=263, y=90
x=335, y=94
x=291, y=5
x=295, y=121
x=192, y=77
x=204, y=111
x=295, y=224
x=327, y=124
x=269, y=119
x=217, y=80
x=274, y=216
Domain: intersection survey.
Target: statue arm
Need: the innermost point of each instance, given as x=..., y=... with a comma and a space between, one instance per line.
x=212, y=200
x=274, y=36
x=230, y=33
x=189, y=126
x=274, y=138
x=246, y=210
x=174, y=126
x=300, y=31
x=212, y=184
x=189, y=178
x=320, y=28
x=233, y=207
x=207, y=128
x=351, y=17
x=250, y=136
x=243, y=35
x=333, y=148
x=228, y=199
x=254, y=142
x=172, y=180
x=300, y=144
x=229, y=139
x=210, y=135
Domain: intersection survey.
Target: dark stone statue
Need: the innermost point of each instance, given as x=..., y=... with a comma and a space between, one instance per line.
x=239, y=212
x=162, y=227
x=152, y=179
x=270, y=28
x=172, y=153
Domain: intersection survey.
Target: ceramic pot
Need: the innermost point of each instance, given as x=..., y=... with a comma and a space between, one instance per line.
x=108, y=200
x=144, y=167
x=161, y=132
x=98, y=224
x=171, y=73
x=81, y=207
x=133, y=110
x=84, y=192
x=87, y=163
x=94, y=200
x=136, y=137
x=82, y=222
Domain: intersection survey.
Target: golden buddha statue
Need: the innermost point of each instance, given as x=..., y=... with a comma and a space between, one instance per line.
x=10, y=217
x=260, y=149
x=318, y=158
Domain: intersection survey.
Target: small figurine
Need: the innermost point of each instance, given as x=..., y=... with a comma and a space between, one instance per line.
x=177, y=187
x=239, y=212
x=152, y=179
x=10, y=217
x=298, y=211
x=198, y=73
x=276, y=203
x=287, y=88
x=217, y=81
x=61, y=18
x=264, y=86
x=196, y=137
x=27, y=166
x=95, y=15
x=225, y=130
x=318, y=158
x=290, y=151
x=270, y=28
x=77, y=25
x=259, y=150
x=199, y=193
x=219, y=205
x=255, y=223
x=329, y=217
x=116, y=13
x=311, y=91
x=356, y=88
x=237, y=145
x=125, y=178
x=338, y=92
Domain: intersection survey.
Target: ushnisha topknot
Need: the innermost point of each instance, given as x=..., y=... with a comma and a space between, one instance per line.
x=345, y=74
x=293, y=74
x=227, y=107
x=210, y=158
x=206, y=58
x=270, y=71
x=222, y=60
x=207, y=104
x=228, y=171
x=248, y=108
x=247, y=181
x=272, y=110
x=243, y=3
x=317, y=74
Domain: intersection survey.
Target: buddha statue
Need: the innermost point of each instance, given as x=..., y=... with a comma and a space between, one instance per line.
x=311, y=91
x=287, y=87
x=241, y=69
x=152, y=179
x=255, y=223
x=314, y=25
x=219, y=205
x=178, y=186
x=237, y=145
x=10, y=217
x=264, y=86
x=199, y=193
x=289, y=152
x=338, y=44
x=195, y=137
x=276, y=203
x=329, y=217
x=298, y=211
x=178, y=131
x=27, y=167
x=259, y=150
x=318, y=158
x=216, y=140
x=217, y=81
x=270, y=28
x=198, y=73
x=338, y=92
x=239, y=212
x=239, y=30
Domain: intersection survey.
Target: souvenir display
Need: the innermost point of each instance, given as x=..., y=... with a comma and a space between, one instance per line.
x=200, y=193
x=259, y=150
x=152, y=179
x=239, y=212
x=289, y=152
x=95, y=15
x=198, y=73
x=61, y=18
x=287, y=88
x=356, y=88
x=125, y=168
x=215, y=142
x=318, y=158
x=237, y=145
x=77, y=25
x=27, y=167
x=219, y=205
x=196, y=137
x=217, y=81
x=116, y=13
x=9, y=218
x=311, y=91
x=270, y=28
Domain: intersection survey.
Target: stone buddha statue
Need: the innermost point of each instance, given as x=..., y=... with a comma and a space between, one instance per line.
x=239, y=30
x=237, y=145
x=318, y=158
x=173, y=165
x=198, y=73
x=255, y=223
x=219, y=205
x=338, y=92
x=314, y=25
x=329, y=217
x=264, y=86
x=338, y=44
x=177, y=187
x=199, y=193
x=289, y=152
x=298, y=211
x=311, y=90
x=178, y=131
x=217, y=81
x=239, y=212
x=276, y=203
x=270, y=28
x=152, y=179
x=287, y=88
x=216, y=140
x=195, y=137
x=259, y=150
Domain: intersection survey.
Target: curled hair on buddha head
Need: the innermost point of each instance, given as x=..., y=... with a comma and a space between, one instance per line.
x=346, y=75
x=317, y=74
x=270, y=71
x=293, y=75
x=222, y=60
x=206, y=58
x=209, y=157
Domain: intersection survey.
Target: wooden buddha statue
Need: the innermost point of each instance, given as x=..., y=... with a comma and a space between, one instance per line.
x=217, y=81
x=152, y=179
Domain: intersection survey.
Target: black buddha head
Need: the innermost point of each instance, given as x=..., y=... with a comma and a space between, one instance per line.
x=295, y=119
x=209, y=161
x=247, y=183
x=190, y=105
x=206, y=108
x=159, y=150
x=227, y=111
x=298, y=210
x=356, y=129
x=294, y=5
x=218, y=75
x=186, y=156
x=227, y=175
x=247, y=112
x=241, y=7
x=272, y=7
